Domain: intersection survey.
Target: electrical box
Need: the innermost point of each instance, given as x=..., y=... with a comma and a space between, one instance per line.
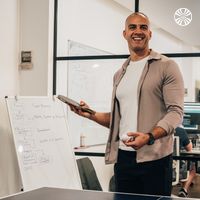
x=26, y=60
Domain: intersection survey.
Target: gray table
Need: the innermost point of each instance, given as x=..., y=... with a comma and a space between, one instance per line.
x=67, y=194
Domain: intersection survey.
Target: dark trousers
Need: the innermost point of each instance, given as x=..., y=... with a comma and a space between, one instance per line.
x=153, y=177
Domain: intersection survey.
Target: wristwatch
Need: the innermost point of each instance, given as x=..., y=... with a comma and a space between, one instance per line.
x=151, y=139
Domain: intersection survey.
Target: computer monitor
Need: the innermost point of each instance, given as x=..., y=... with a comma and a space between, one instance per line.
x=191, y=115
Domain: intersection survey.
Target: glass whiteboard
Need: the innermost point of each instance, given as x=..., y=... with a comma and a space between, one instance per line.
x=90, y=81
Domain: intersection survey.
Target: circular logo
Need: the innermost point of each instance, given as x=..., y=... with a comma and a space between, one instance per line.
x=183, y=16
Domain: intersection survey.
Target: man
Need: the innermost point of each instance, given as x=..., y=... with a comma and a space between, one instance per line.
x=187, y=145
x=147, y=106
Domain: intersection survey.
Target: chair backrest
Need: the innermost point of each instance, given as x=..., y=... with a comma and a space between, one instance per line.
x=176, y=163
x=176, y=151
x=112, y=184
x=88, y=174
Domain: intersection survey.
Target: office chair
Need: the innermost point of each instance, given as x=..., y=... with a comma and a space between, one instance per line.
x=89, y=179
x=112, y=184
x=180, y=169
x=176, y=163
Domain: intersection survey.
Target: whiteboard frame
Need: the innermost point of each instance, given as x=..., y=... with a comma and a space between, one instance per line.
x=26, y=187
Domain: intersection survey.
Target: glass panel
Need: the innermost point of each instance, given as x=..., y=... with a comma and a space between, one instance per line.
x=78, y=49
x=190, y=68
x=92, y=82
x=98, y=24
x=171, y=36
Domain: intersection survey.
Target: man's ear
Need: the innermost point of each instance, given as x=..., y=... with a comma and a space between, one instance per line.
x=150, y=33
x=124, y=34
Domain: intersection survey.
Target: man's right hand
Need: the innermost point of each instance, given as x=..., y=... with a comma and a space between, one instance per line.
x=80, y=111
x=98, y=117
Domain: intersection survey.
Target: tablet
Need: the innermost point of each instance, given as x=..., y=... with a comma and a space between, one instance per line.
x=71, y=102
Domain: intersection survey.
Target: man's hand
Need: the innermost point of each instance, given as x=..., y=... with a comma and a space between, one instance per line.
x=136, y=140
x=79, y=111
x=98, y=117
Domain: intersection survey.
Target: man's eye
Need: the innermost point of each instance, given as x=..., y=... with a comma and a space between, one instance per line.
x=132, y=27
x=144, y=27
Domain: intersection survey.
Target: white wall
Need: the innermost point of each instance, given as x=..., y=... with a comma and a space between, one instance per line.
x=24, y=26
x=9, y=174
x=34, y=36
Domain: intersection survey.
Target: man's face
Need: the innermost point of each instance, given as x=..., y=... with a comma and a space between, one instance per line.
x=137, y=33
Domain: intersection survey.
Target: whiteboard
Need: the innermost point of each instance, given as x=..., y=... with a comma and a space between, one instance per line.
x=92, y=82
x=42, y=144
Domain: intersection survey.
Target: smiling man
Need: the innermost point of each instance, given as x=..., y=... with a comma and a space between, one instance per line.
x=137, y=34
x=147, y=106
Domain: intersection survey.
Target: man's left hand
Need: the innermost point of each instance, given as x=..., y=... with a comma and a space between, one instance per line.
x=137, y=140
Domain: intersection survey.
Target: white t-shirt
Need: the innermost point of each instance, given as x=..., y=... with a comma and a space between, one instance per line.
x=127, y=96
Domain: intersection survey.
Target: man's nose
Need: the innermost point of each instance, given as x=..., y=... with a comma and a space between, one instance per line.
x=138, y=29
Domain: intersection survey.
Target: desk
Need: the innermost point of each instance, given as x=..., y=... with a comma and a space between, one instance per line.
x=98, y=151
x=92, y=150
x=193, y=155
x=66, y=194
x=189, y=157
x=194, y=151
x=193, y=131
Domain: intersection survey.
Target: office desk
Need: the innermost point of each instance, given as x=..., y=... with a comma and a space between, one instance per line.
x=194, y=151
x=92, y=150
x=193, y=155
x=67, y=194
x=98, y=151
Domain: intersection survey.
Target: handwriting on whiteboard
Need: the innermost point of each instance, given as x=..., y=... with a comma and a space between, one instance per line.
x=35, y=131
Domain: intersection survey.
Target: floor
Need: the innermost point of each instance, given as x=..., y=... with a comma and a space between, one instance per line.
x=194, y=191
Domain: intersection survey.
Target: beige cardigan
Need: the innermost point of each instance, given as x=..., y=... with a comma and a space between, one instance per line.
x=160, y=103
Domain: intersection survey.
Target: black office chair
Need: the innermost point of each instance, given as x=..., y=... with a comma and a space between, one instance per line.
x=176, y=163
x=89, y=179
x=180, y=171
x=112, y=184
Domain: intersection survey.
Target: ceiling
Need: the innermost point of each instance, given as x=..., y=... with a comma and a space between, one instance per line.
x=161, y=14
